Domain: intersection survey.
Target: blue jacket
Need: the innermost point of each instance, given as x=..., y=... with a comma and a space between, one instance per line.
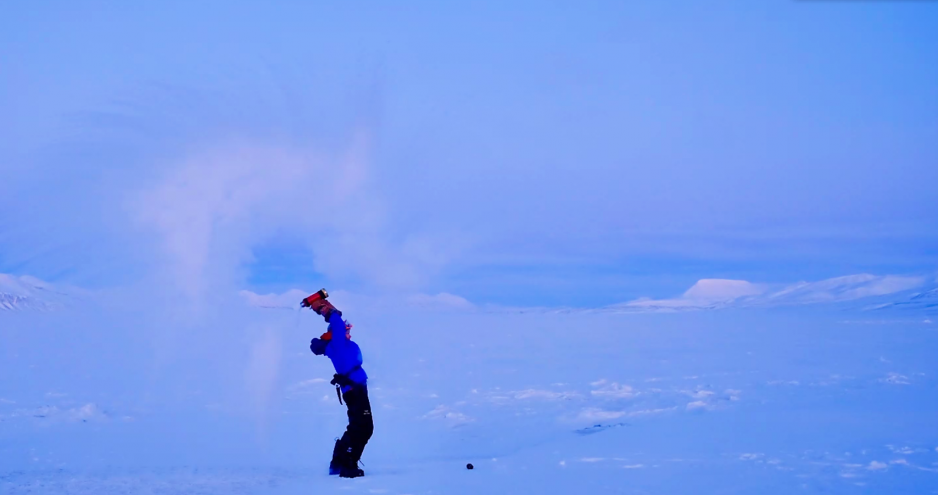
x=345, y=355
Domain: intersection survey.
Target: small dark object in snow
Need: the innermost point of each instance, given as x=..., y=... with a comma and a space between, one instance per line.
x=469, y=466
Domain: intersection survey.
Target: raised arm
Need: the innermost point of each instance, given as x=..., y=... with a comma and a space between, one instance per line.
x=318, y=303
x=336, y=323
x=336, y=327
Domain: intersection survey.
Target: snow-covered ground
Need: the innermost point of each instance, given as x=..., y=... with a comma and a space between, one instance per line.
x=773, y=400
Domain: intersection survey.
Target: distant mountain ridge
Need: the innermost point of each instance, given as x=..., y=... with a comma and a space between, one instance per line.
x=862, y=292
x=925, y=301
x=25, y=293
x=870, y=291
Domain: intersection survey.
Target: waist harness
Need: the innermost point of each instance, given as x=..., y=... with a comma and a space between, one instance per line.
x=342, y=380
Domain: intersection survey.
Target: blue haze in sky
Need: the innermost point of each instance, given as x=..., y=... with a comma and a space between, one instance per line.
x=611, y=247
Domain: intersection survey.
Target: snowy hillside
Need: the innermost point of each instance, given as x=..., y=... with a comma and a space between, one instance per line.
x=27, y=293
x=889, y=290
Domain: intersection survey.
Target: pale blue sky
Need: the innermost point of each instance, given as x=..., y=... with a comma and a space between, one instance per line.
x=522, y=154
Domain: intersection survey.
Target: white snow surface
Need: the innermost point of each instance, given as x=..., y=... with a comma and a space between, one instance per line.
x=121, y=399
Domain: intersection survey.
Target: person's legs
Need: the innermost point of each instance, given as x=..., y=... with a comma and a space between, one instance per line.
x=359, y=431
x=361, y=424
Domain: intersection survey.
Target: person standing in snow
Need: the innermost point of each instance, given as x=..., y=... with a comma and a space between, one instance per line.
x=350, y=381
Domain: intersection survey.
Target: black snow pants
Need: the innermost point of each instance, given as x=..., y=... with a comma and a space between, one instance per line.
x=349, y=448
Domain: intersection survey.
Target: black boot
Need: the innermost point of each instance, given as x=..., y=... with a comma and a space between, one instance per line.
x=351, y=471
x=338, y=458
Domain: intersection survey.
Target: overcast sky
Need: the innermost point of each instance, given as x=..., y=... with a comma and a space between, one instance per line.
x=518, y=154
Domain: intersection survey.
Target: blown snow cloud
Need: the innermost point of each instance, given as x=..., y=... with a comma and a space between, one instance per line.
x=213, y=207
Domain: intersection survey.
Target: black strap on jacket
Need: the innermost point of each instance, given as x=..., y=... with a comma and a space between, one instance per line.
x=342, y=380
